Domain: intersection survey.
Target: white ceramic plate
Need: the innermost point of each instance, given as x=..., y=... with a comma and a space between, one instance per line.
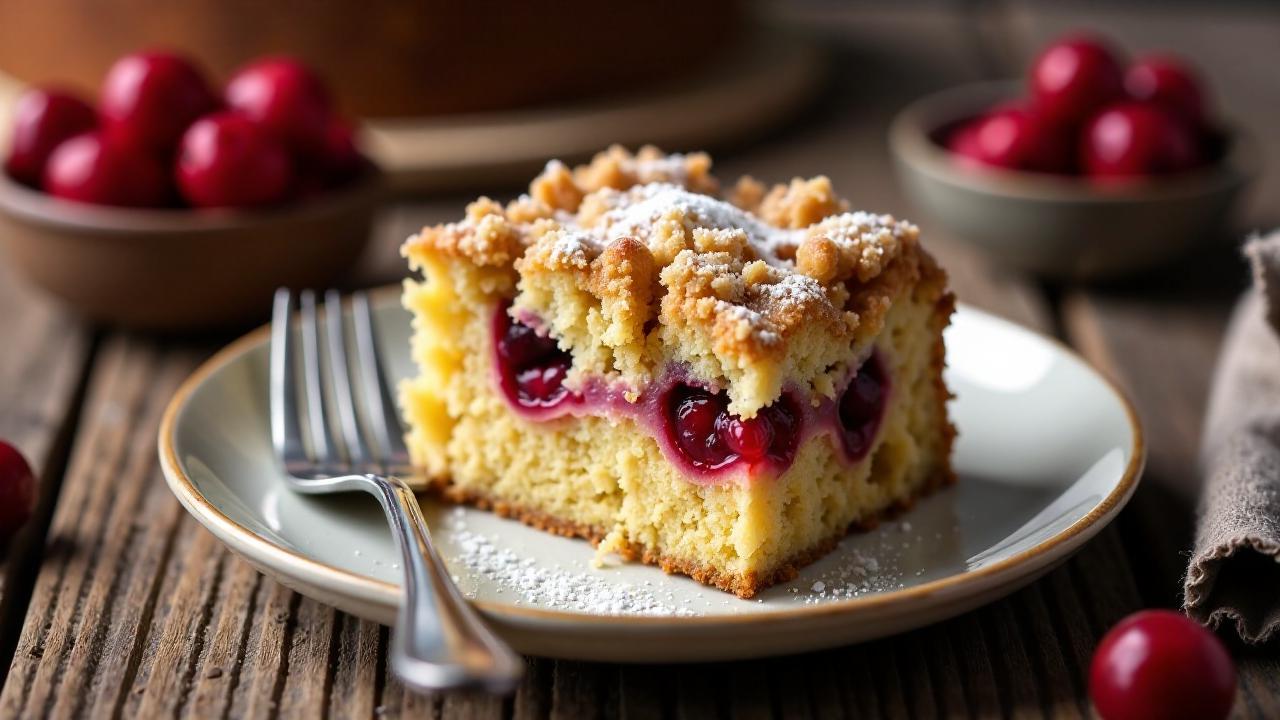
x=1048, y=453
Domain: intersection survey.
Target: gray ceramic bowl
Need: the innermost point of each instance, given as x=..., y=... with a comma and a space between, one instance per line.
x=182, y=269
x=1058, y=226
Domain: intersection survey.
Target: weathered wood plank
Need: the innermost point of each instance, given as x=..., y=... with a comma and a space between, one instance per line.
x=92, y=538
x=41, y=375
x=355, y=683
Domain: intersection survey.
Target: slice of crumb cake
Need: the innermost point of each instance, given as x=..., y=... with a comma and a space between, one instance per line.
x=722, y=386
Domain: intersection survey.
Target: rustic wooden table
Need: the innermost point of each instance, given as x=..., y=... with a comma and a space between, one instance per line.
x=116, y=603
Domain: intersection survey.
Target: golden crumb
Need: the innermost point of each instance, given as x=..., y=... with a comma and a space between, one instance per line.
x=634, y=263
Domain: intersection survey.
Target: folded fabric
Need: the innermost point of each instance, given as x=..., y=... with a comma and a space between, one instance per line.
x=1234, y=574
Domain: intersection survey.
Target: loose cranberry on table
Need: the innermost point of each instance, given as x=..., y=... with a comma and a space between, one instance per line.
x=1074, y=77
x=1133, y=139
x=226, y=160
x=17, y=492
x=1014, y=138
x=1159, y=665
x=287, y=98
x=1167, y=81
x=43, y=119
x=149, y=99
x=93, y=168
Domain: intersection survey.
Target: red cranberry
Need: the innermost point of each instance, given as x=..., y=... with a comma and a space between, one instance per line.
x=149, y=99
x=750, y=439
x=532, y=368
x=1159, y=665
x=962, y=143
x=43, y=119
x=92, y=168
x=1132, y=139
x=1018, y=139
x=710, y=437
x=862, y=407
x=287, y=98
x=696, y=421
x=17, y=492
x=1074, y=77
x=1167, y=81
x=543, y=385
x=521, y=346
x=226, y=160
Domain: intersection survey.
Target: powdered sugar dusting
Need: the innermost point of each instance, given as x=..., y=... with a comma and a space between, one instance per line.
x=588, y=592
x=637, y=210
x=792, y=292
x=574, y=247
x=852, y=573
x=493, y=560
x=673, y=166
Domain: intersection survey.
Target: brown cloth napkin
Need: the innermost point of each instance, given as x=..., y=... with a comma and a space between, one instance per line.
x=1234, y=574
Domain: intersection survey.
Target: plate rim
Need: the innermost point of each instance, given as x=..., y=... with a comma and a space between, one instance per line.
x=218, y=522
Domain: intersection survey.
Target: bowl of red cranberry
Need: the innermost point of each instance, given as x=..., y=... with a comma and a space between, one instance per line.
x=171, y=205
x=1092, y=169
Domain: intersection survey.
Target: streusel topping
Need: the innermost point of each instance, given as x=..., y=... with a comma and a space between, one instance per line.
x=635, y=263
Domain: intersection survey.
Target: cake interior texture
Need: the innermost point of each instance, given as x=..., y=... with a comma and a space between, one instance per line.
x=720, y=383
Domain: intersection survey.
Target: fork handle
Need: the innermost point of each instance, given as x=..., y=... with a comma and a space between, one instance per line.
x=439, y=642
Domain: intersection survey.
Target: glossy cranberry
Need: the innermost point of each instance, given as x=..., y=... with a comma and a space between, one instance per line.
x=750, y=439
x=1018, y=139
x=962, y=142
x=149, y=99
x=521, y=346
x=543, y=385
x=1167, y=81
x=862, y=407
x=1133, y=139
x=696, y=421
x=17, y=492
x=226, y=160
x=1074, y=77
x=710, y=437
x=532, y=368
x=1159, y=665
x=92, y=168
x=287, y=98
x=42, y=119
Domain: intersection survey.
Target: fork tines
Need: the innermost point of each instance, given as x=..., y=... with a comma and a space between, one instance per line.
x=332, y=409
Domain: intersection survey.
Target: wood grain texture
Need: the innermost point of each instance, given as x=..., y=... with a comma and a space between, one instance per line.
x=40, y=386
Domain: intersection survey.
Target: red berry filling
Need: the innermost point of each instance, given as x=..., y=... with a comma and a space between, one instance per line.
x=531, y=366
x=862, y=407
x=693, y=424
x=700, y=425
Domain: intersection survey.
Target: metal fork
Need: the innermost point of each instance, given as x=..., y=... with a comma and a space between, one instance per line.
x=439, y=641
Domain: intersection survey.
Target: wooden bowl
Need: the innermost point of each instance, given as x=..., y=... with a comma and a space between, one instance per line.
x=1060, y=226
x=182, y=269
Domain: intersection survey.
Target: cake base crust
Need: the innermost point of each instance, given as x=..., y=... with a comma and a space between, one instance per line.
x=744, y=586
